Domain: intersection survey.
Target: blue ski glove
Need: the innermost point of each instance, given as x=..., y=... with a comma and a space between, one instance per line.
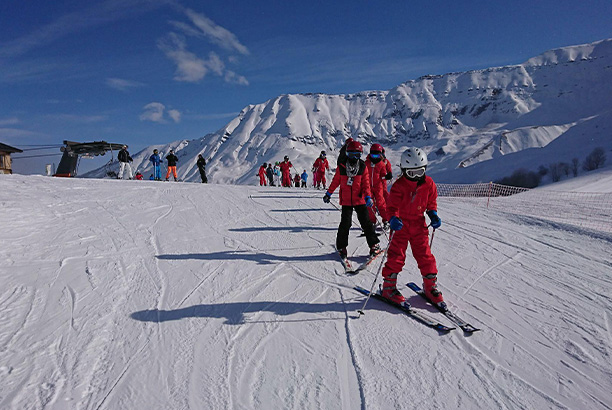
x=327, y=197
x=396, y=223
x=435, y=219
x=369, y=202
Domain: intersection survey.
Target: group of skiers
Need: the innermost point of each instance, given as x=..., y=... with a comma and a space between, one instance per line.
x=279, y=174
x=363, y=189
x=124, y=159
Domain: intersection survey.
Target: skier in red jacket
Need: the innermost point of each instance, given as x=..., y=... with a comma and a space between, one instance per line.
x=285, y=168
x=355, y=194
x=411, y=195
x=377, y=171
x=262, y=175
x=388, y=177
x=321, y=165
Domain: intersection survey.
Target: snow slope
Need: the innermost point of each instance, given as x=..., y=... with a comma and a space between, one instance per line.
x=476, y=126
x=145, y=295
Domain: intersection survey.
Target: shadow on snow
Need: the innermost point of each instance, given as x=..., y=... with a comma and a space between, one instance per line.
x=234, y=312
x=261, y=258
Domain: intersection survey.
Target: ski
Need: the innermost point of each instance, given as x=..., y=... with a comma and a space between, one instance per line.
x=348, y=269
x=365, y=264
x=421, y=317
x=442, y=307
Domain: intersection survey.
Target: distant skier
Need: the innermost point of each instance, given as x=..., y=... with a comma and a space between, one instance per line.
x=156, y=161
x=172, y=160
x=270, y=174
x=296, y=180
x=377, y=171
x=355, y=195
x=285, y=168
x=277, y=174
x=262, y=174
x=124, y=162
x=321, y=166
x=138, y=176
x=202, y=168
x=411, y=195
x=304, y=179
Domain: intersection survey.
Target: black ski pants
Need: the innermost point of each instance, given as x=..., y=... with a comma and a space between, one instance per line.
x=203, y=176
x=347, y=220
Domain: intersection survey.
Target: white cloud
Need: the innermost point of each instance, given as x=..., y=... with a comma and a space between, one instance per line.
x=175, y=115
x=9, y=121
x=189, y=67
x=156, y=112
x=121, y=84
x=99, y=13
x=214, y=32
x=192, y=68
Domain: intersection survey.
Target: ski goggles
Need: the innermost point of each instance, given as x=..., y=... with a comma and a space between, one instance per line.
x=354, y=154
x=375, y=156
x=414, y=172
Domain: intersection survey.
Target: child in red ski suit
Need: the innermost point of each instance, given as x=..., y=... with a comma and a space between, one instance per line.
x=412, y=195
x=355, y=194
x=377, y=171
x=320, y=166
x=262, y=175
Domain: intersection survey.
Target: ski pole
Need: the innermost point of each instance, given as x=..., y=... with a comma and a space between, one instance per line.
x=432, y=236
x=361, y=311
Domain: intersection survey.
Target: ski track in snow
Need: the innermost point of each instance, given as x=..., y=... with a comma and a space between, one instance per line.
x=136, y=294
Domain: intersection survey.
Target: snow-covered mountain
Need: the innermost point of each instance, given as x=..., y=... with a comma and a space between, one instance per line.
x=476, y=126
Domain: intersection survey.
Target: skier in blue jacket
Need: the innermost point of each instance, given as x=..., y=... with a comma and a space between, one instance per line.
x=304, y=179
x=156, y=160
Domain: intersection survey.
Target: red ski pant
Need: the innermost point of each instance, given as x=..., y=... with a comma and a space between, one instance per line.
x=287, y=179
x=321, y=179
x=416, y=234
x=262, y=180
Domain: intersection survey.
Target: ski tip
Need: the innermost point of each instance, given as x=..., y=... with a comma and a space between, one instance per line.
x=361, y=312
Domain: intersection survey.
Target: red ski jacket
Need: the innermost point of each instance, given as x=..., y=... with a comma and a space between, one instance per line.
x=285, y=166
x=321, y=165
x=262, y=172
x=353, y=190
x=410, y=199
x=376, y=173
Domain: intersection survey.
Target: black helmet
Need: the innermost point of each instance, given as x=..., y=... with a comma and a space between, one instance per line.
x=323, y=153
x=286, y=158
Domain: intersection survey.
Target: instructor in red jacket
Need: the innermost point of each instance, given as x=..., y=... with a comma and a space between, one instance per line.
x=355, y=194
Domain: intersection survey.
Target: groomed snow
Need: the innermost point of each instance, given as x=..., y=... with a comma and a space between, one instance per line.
x=149, y=295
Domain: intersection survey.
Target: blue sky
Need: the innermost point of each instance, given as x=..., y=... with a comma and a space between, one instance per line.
x=147, y=72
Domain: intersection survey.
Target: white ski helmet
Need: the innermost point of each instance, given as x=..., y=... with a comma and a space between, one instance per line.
x=413, y=158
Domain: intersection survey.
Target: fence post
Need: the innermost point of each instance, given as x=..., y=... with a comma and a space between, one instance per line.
x=489, y=193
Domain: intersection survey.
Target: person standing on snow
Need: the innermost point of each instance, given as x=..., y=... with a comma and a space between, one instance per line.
x=304, y=179
x=156, y=161
x=172, y=160
x=270, y=174
x=124, y=161
x=202, y=168
x=262, y=174
x=277, y=174
x=355, y=194
x=388, y=177
x=296, y=180
x=411, y=195
x=377, y=172
x=285, y=168
x=321, y=166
